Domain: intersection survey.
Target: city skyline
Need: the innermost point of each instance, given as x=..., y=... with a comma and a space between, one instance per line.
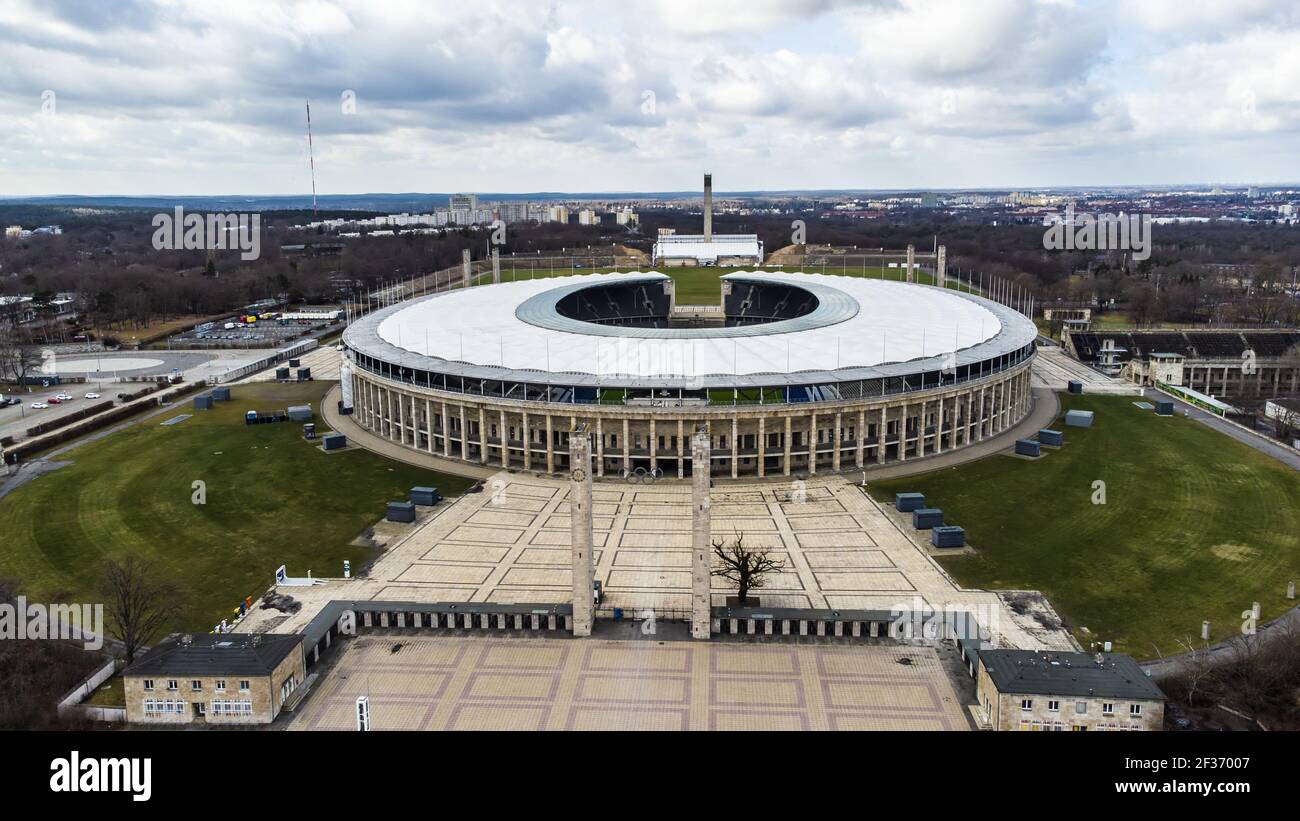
x=140, y=99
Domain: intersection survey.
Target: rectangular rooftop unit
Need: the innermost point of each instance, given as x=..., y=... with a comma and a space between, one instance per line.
x=333, y=441
x=1051, y=437
x=401, y=512
x=304, y=374
x=1028, y=447
x=1078, y=418
x=948, y=536
x=282, y=374
x=221, y=394
x=426, y=496
x=203, y=402
x=1164, y=407
x=926, y=518
x=300, y=413
x=907, y=502
x=1075, y=386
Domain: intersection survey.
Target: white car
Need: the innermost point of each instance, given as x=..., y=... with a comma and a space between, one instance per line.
x=66, y=397
x=92, y=396
x=39, y=406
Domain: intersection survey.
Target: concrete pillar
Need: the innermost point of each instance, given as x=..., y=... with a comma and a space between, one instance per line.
x=785, y=467
x=1290, y=590
x=762, y=447
x=482, y=436
x=1205, y=630
x=496, y=266
x=701, y=546
x=941, y=265
x=464, y=268
x=600, y=449
x=654, y=446
x=581, y=525
x=911, y=262
x=902, y=434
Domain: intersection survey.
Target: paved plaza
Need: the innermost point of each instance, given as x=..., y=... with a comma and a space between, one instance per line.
x=510, y=543
x=495, y=683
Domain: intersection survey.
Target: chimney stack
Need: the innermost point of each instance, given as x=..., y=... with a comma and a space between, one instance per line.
x=708, y=208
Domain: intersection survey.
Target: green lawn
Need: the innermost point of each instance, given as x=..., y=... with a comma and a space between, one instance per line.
x=272, y=499
x=1195, y=525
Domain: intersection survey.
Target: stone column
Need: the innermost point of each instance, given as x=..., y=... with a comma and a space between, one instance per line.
x=941, y=266
x=527, y=435
x=482, y=435
x=812, y=445
x=920, y=431
x=861, y=435
x=550, y=445
x=600, y=449
x=681, y=449
x=938, y=428
x=428, y=424
x=496, y=266
x=786, y=464
x=627, y=448
x=902, y=434
x=654, y=446
x=835, y=435
x=701, y=545
x=464, y=268
x=735, y=446
x=581, y=525
x=503, y=433
x=762, y=447
x=446, y=432
x=911, y=262
x=464, y=435
x=881, y=430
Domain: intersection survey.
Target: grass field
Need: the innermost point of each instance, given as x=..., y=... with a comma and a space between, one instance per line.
x=695, y=286
x=272, y=499
x=1195, y=525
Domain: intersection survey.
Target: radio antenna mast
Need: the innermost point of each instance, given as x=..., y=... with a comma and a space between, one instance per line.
x=311, y=156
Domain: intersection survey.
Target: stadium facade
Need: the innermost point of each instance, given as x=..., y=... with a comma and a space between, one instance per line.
x=802, y=373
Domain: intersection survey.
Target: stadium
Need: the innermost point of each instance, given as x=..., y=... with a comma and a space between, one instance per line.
x=791, y=373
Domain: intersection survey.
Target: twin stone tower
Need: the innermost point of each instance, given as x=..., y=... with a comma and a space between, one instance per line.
x=581, y=524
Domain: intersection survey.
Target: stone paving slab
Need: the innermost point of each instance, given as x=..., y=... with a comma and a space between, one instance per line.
x=498, y=683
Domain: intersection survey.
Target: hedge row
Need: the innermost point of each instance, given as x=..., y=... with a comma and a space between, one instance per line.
x=54, y=424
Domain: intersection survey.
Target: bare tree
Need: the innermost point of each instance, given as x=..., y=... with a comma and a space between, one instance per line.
x=745, y=568
x=138, y=602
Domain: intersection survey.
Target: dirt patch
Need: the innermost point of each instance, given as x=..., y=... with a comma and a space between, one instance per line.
x=1228, y=551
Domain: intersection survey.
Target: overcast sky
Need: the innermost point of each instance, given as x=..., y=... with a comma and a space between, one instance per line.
x=207, y=97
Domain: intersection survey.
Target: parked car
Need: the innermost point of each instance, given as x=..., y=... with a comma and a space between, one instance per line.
x=39, y=405
x=13, y=400
x=92, y=396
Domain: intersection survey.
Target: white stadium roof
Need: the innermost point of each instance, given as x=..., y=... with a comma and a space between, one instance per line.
x=893, y=322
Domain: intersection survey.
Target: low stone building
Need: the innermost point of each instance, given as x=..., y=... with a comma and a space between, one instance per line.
x=218, y=678
x=1035, y=690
